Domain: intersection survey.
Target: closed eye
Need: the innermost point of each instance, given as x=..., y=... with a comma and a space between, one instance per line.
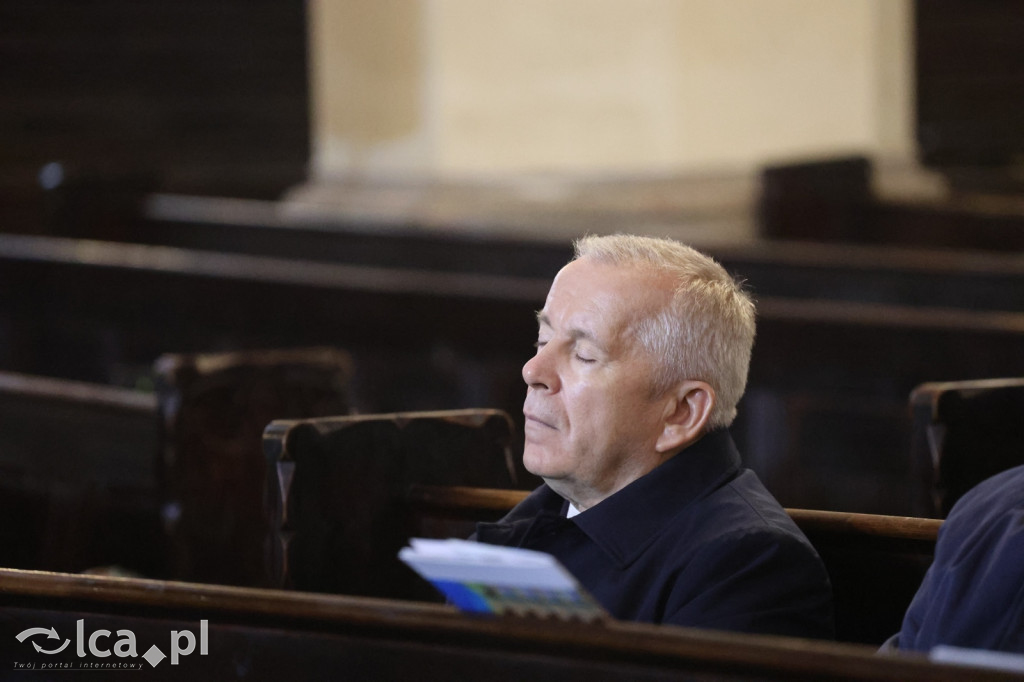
x=585, y=360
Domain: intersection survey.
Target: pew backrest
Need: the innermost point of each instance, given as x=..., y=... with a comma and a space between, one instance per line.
x=214, y=407
x=76, y=473
x=876, y=564
x=962, y=433
x=337, y=488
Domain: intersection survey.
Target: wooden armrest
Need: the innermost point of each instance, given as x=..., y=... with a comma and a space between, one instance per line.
x=463, y=500
x=866, y=525
x=467, y=501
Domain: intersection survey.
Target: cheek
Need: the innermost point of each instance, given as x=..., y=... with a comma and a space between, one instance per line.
x=632, y=414
x=592, y=412
x=605, y=411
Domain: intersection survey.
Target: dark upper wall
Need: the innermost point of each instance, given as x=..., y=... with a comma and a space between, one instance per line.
x=970, y=90
x=202, y=96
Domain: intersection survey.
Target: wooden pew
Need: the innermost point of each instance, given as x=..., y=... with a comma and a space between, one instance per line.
x=347, y=493
x=875, y=562
x=337, y=485
x=257, y=634
x=264, y=228
x=214, y=407
x=886, y=274
x=84, y=298
x=824, y=421
x=826, y=398
x=166, y=484
x=78, y=484
x=964, y=432
x=831, y=200
x=792, y=268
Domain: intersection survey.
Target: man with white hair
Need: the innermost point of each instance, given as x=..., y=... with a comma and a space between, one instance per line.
x=642, y=356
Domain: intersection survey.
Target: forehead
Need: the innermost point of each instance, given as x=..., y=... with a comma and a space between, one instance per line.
x=602, y=298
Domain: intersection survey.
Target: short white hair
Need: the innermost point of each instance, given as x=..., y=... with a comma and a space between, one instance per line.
x=705, y=333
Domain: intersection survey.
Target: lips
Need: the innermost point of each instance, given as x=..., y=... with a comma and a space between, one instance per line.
x=535, y=419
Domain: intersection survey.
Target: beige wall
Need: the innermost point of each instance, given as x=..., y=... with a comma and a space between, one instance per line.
x=481, y=88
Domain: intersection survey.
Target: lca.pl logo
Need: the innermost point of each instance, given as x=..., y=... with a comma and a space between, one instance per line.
x=101, y=644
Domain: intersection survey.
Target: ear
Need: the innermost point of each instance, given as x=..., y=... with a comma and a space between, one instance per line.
x=686, y=415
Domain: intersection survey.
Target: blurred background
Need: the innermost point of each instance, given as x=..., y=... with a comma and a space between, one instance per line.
x=400, y=179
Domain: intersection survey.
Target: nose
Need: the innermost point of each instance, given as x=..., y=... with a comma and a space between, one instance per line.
x=538, y=372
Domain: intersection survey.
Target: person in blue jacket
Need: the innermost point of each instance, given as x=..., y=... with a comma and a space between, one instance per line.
x=642, y=355
x=973, y=594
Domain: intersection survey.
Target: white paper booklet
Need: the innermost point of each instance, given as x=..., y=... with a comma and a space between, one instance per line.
x=483, y=578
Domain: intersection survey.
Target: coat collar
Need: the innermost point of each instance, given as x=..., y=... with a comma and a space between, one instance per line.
x=624, y=524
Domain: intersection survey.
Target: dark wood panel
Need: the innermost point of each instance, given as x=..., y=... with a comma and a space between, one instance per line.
x=907, y=275
x=271, y=635
x=963, y=433
x=78, y=486
x=214, y=407
x=828, y=200
x=336, y=492
x=970, y=80
x=192, y=94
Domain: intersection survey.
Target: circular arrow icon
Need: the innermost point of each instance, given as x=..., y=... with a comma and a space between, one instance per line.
x=54, y=651
x=51, y=633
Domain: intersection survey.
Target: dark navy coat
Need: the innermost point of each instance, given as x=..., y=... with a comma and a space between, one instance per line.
x=973, y=594
x=696, y=542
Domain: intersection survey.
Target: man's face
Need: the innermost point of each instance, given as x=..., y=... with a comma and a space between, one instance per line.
x=591, y=421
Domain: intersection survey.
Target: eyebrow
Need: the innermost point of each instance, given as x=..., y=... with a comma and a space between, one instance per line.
x=575, y=334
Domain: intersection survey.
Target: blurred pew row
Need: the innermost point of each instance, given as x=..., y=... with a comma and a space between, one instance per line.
x=825, y=420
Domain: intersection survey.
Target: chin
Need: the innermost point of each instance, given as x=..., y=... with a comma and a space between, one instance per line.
x=540, y=463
